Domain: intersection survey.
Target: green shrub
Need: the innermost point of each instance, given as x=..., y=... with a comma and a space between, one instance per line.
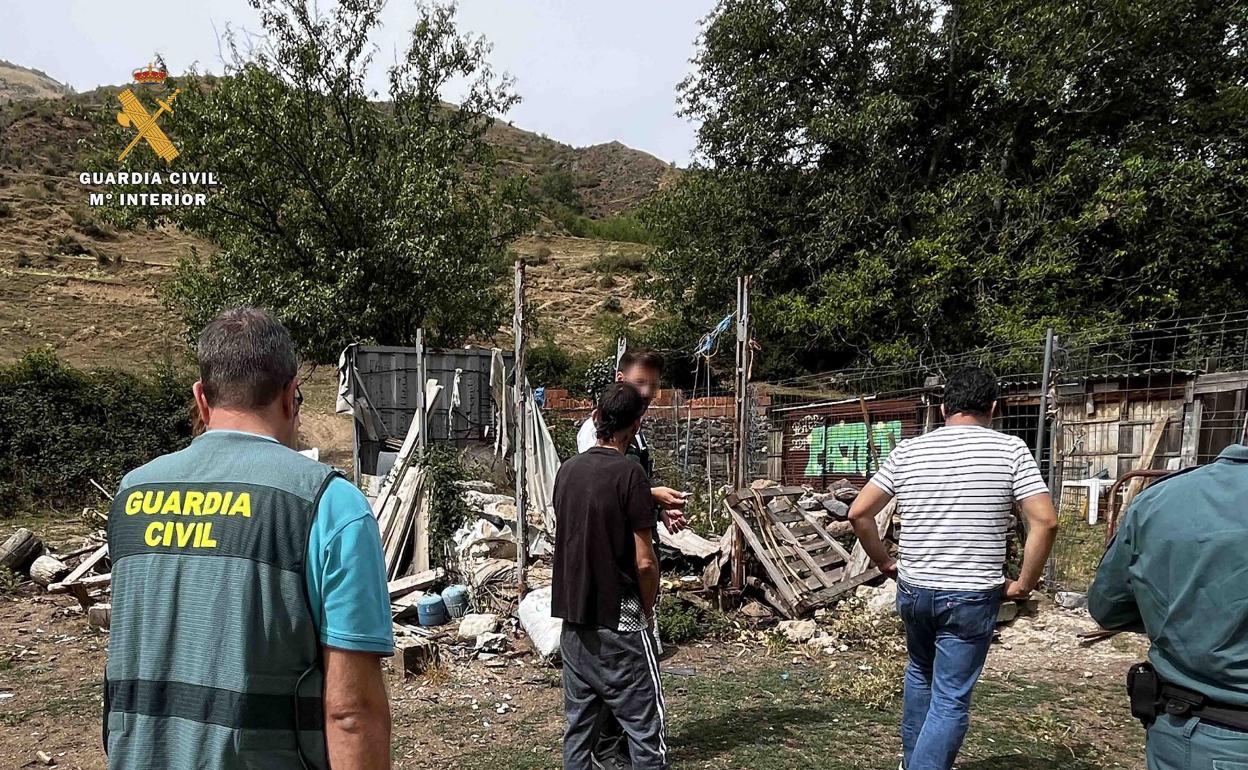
x=680, y=622
x=617, y=228
x=618, y=262
x=5, y=209
x=447, y=509
x=563, y=432
x=69, y=245
x=60, y=427
x=88, y=225
x=549, y=364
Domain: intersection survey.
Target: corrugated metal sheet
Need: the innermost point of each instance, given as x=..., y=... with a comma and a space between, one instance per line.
x=823, y=443
x=391, y=380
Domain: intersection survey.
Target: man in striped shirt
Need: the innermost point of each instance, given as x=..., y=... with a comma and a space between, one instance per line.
x=956, y=488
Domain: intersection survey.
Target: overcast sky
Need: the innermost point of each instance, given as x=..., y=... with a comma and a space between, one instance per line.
x=589, y=71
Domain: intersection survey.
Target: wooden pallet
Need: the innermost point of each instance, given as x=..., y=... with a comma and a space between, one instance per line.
x=806, y=566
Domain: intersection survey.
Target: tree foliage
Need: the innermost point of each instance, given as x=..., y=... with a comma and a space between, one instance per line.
x=907, y=177
x=61, y=428
x=352, y=219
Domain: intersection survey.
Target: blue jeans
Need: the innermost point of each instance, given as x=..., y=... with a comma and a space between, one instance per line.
x=947, y=635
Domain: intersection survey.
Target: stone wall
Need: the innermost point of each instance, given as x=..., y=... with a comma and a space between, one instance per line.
x=679, y=442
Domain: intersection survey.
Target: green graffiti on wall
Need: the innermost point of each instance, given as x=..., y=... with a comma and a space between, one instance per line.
x=842, y=448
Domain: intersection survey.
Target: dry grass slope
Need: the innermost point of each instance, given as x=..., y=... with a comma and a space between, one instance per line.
x=90, y=291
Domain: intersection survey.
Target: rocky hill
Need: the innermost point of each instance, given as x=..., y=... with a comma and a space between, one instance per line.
x=90, y=291
x=18, y=82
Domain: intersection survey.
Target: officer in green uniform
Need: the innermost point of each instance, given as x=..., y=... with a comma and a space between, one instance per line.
x=250, y=610
x=1177, y=570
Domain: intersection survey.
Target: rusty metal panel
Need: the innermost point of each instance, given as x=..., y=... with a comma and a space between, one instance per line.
x=825, y=442
x=389, y=377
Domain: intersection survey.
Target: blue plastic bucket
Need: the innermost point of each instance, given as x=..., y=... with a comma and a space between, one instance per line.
x=431, y=611
x=456, y=600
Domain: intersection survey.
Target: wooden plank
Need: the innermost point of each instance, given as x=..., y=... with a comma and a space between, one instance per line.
x=831, y=541
x=87, y=564
x=415, y=582
x=1145, y=460
x=738, y=496
x=858, y=559
x=815, y=568
x=87, y=583
x=778, y=579
x=405, y=606
x=828, y=595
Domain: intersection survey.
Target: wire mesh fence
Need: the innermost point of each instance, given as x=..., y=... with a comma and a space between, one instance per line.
x=1114, y=404
x=1111, y=405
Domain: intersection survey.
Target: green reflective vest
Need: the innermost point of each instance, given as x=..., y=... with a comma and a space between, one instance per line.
x=213, y=657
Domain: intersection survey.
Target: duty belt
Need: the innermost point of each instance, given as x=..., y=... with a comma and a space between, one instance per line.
x=1152, y=697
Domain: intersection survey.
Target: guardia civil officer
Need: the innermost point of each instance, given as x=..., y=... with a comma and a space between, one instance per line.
x=1177, y=570
x=250, y=610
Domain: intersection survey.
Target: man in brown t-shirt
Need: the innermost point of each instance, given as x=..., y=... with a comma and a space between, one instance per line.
x=606, y=580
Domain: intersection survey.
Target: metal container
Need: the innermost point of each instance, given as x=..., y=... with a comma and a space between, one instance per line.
x=456, y=600
x=431, y=611
x=390, y=379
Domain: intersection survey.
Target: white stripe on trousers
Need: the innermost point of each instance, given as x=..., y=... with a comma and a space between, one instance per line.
x=653, y=660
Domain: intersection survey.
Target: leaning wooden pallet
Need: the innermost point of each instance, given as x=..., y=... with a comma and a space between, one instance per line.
x=805, y=566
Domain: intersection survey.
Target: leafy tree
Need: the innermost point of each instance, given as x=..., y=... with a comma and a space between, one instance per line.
x=351, y=219
x=913, y=177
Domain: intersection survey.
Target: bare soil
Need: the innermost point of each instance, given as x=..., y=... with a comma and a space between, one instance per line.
x=1045, y=702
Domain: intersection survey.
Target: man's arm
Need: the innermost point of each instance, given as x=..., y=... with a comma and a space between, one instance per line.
x=870, y=501
x=1041, y=532
x=357, y=713
x=1111, y=599
x=647, y=571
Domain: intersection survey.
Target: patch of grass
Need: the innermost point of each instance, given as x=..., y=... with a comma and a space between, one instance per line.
x=10, y=581
x=6, y=209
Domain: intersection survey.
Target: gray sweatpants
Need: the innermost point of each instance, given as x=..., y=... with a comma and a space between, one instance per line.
x=618, y=671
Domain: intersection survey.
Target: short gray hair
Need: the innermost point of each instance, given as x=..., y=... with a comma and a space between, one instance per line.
x=246, y=358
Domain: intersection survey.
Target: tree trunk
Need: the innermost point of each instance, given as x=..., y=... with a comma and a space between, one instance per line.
x=20, y=550
x=47, y=570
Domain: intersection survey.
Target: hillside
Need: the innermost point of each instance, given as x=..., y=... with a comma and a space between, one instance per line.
x=91, y=291
x=18, y=82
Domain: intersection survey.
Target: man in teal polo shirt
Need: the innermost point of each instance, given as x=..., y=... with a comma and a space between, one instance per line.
x=1177, y=570
x=250, y=609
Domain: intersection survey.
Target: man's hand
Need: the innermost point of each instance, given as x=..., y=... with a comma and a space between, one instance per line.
x=667, y=498
x=674, y=520
x=889, y=569
x=1015, y=590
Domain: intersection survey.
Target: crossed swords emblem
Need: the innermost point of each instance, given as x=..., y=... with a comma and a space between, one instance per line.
x=135, y=115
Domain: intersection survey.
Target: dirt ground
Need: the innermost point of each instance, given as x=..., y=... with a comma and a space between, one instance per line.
x=1045, y=702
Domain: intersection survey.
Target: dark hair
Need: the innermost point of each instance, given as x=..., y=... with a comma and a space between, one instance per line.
x=246, y=358
x=619, y=406
x=970, y=391
x=647, y=358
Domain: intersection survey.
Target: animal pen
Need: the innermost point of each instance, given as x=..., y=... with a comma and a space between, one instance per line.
x=1106, y=413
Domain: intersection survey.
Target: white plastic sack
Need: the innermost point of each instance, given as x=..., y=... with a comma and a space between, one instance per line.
x=536, y=620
